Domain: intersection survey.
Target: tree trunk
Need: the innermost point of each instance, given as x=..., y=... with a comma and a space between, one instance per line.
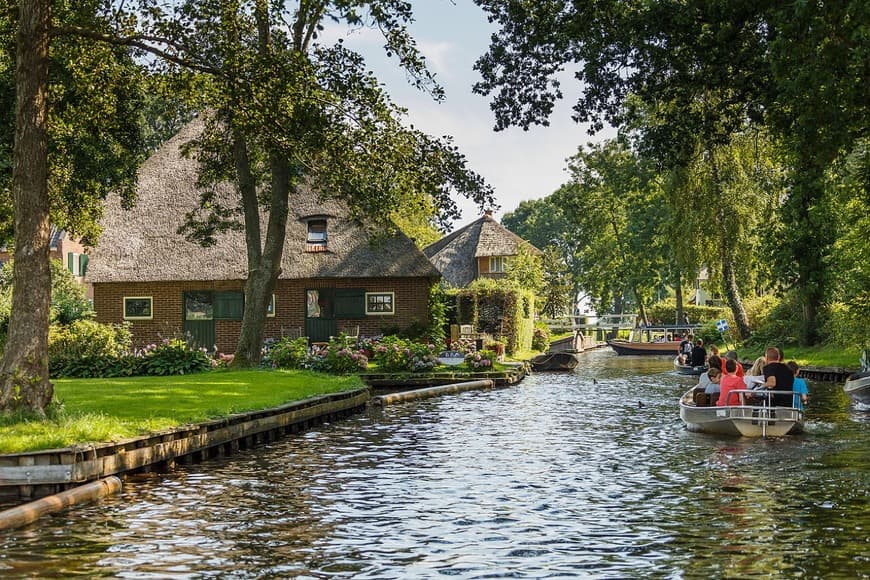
x=726, y=258
x=264, y=266
x=678, y=293
x=24, y=380
x=732, y=293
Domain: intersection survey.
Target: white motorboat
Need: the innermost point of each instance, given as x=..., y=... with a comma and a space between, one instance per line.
x=701, y=414
x=857, y=387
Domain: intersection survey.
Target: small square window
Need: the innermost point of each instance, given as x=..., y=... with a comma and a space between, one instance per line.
x=317, y=231
x=380, y=303
x=138, y=308
x=496, y=264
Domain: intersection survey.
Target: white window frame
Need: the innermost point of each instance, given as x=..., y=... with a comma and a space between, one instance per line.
x=501, y=261
x=270, y=309
x=392, y=296
x=150, y=300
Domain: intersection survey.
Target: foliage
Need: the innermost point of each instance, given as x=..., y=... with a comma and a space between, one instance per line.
x=85, y=348
x=69, y=301
x=393, y=354
x=526, y=270
x=558, y=290
x=174, y=356
x=504, y=312
x=612, y=204
x=481, y=360
x=336, y=358
x=95, y=410
x=287, y=353
x=798, y=69
x=541, y=338
x=439, y=303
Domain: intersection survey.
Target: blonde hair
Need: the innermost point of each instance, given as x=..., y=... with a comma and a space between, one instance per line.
x=758, y=367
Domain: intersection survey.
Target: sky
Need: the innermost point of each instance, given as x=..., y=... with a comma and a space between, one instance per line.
x=519, y=165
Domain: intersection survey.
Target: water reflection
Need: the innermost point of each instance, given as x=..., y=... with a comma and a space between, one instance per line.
x=588, y=474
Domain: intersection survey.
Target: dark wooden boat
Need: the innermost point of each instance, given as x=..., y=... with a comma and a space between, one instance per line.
x=554, y=362
x=688, y=369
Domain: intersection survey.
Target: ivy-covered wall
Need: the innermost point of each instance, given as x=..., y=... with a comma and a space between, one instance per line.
x=506, y=314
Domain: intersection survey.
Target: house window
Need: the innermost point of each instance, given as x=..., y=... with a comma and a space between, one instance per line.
x=270, y=309
x=380, y=303
x=138, y=308
x=316, y=241
x=312, y=304
x=72, y=263
x=497, y=264
x=198, y=306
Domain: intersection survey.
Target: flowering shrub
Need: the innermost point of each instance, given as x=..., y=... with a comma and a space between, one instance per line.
x=480, y=360
x=541, y=337
x=86, y=349
x=287, y=353
x=393, y=354
x=173, y=356
x=336, y=358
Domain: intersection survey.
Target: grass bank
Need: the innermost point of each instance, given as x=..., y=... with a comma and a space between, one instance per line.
x=812, y=356
x=95, y=410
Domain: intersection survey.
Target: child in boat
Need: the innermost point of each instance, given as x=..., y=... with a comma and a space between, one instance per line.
x=711, y=384
x=755, y=376
x=730, y=382
x=801, y=391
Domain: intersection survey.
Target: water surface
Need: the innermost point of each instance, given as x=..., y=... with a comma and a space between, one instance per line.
x=588, y=474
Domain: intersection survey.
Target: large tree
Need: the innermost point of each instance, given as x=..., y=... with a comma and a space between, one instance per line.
x=799, y=67
x=289, y=111
x=65, y=147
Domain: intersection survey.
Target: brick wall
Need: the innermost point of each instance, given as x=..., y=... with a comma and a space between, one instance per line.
x=411, y=303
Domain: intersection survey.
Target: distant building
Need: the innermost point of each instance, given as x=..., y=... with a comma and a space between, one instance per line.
x=62, y=247
x=332, y=276
x=482, y=249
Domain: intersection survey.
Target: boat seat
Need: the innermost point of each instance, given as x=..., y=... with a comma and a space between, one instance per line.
x=701, y=399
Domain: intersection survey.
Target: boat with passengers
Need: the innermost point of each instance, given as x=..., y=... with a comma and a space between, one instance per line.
x=753, y=415
x=661, y=339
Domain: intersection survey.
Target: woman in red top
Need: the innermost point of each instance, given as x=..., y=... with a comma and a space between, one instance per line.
x=730, y=382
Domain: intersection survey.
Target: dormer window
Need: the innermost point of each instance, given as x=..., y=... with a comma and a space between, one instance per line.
x=316, y=241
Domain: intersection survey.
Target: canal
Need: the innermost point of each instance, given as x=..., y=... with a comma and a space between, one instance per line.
x=588, y=474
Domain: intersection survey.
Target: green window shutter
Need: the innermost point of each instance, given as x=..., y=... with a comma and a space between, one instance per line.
x=229, y=305
x=83, y=264
x=350, y=303
x=69, y=261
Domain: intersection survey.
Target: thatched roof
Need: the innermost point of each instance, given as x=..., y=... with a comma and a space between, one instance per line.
x=456, y=255
x=142, y=244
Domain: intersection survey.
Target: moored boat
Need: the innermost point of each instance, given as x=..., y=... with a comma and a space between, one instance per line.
x=700, y=414
x=554, y=362
x=688, y=369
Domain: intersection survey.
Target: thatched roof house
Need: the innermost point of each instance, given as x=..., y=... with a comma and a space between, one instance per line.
x=333, y=275
x=481, y=249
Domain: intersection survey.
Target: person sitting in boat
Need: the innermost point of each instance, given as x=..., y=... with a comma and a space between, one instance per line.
x=801, y=391
x=685, y=349
x=778, y=377
x=754, y=377
x=732, y=354
x=710, y=380
x=699, y=354
x=730, y=382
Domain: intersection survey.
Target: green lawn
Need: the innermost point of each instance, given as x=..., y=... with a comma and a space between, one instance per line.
x=813, y=356
x=95, y=410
